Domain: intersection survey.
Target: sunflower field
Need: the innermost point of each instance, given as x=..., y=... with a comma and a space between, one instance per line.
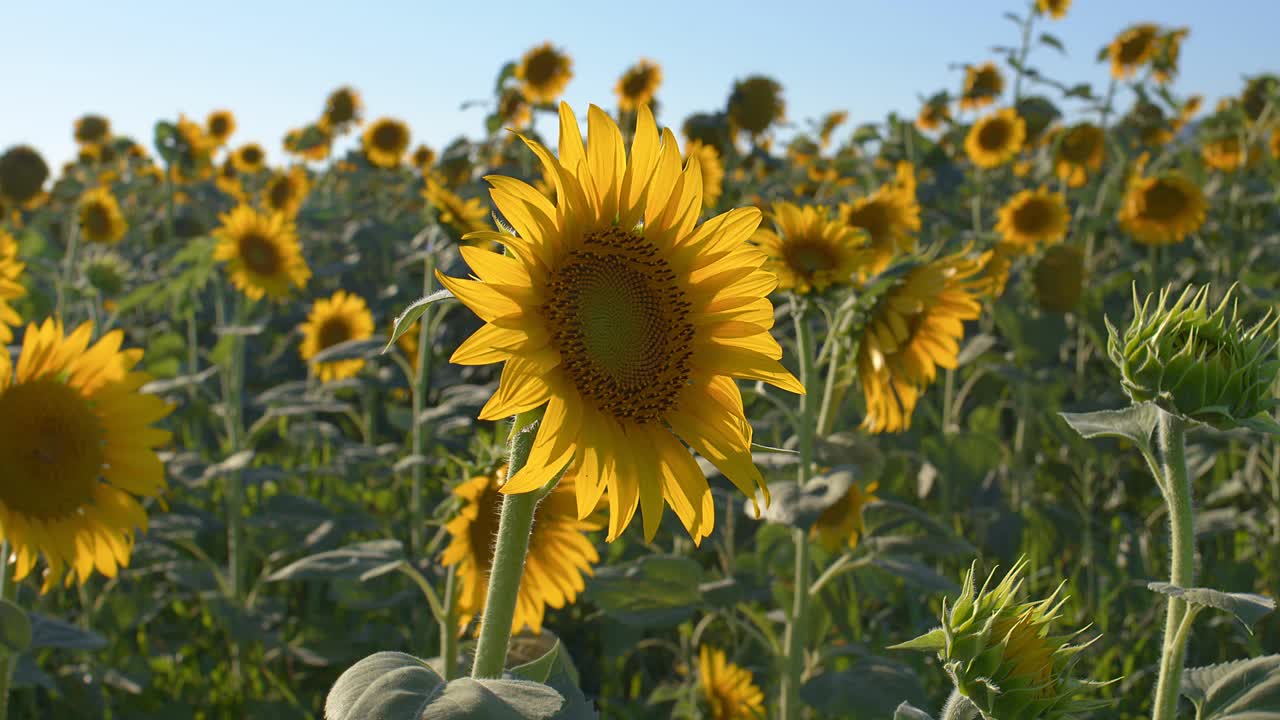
x=966, y=415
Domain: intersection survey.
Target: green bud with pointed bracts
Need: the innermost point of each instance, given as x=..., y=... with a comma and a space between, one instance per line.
x=1201, y=363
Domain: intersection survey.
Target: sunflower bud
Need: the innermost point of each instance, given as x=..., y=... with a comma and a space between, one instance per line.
x=1002, y=656
x=1059, y=278
x=1200, y=363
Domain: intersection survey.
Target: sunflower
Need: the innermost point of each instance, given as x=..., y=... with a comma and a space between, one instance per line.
x=100, y=218
x=92, y=129
x=341, y=109
x=1274, y=144
x=915, y=328
x=982, y=85
x=1226, y=153
x=78, y=449
x=1057, y=9
x=11, y=287
x=262, y=253
x=228, y=180
x=889, y=216
x=997, y=267
x=755, y=104
x=219, y=126
x=384, y=142
x=638, y=85
x=729, y=690
x=709, y=129
x=423, y=158
x=543, y=73
x=1059, y=278
x=810, y=251
x=1131, y=49
x=332, y=321
x=1078, y=151
x=560, y=553
x=22, y=174
x=1258, y=92
x=465, y=216
x=249, y=158
x=841, y=524
x=285, y=191
x=830, y=122
x=513, y=108
x=995, y=139
x=312, y=142
x=628, y=334
x=933, y=114
x=1164, y=64
x=712, y=170
x=1032, y=217
x=1162, y=209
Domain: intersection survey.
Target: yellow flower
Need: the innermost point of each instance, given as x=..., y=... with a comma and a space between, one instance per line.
x=830, y=122
x=1274, y=144
x=1079, y=151
x=1032, y=217
x=249, y=158
x=560, y=553
x=219, y=126
x=100, y=218
x=995, y=139
x=228, y=180
x=513, y=108
x=543, y=73
x=78, y=449
x=841, y=524
x=810, y=251
x=982, y=85
x=11, y=287
x=341, y=109
x=423, y=158
x=1165, y=62
x=996, y=268
x=285, y=191
x=932, y=115
x=333, y=321
x=626, y=322
x=309, y=143
x=914, y=329
x=92, y=129
x=384, y=142
x=465, y=216
x=1057, y=9
x=1162, y=209
x=712, y=170
x=1059, y=278
x=890, y=216
x=1227, y=154
x=1131, y=49
x=638, y=85
x=22, y=175
x=1258, y=91
x=262, y=253
x=728, y=689
x=755, y=104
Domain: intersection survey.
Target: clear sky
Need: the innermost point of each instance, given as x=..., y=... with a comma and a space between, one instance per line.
x=272, y=62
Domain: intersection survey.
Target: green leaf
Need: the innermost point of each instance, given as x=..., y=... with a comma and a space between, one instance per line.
x=654, y=591
x=1264, y=424
x=932, y=641
x=1247, y=607
x=406, y=319
x=47, y=632
x=872, y=689
x=361, y=349
x=907, y=711
x=555, y=670
x=467, y=699
x=539, y=669
x=1197, y=681
x=1248, y=691
x=349, y=562
x=1136, y=423
x=1053, y=42
x=799, y=507
x=15, y=629
x=915, y=572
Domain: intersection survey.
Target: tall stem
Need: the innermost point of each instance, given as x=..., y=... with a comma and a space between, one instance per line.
x=1171, y=436
x=514, y=527
x=449, y=626
x=421, y=385
x=797, y=621
x=8, y=591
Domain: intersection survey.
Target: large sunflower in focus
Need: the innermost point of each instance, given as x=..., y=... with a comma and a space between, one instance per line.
x=626, y=322
x=729, y=690
x=341, y=110
x=385, y=142
x=1162, y=209
x=1078, y=151
x=1033, y=217
x=465, y=216
x=982, y=86
x=11, y=287
x=914, y=329
x=810, y=251
x=78, y=449
x=890, y=216
x=219, y=126
x=712, y=170
x=100, y=218
x=262, y=253
x=638, y=85
x=755, y=104
x=543, y=73
x=560, y=553
x=285, y=191
x=995, y=139
x=1131, y=49
x=332, y=321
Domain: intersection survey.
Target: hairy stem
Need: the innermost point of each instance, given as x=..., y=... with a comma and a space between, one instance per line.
x=797, y=621
x=1171, y=437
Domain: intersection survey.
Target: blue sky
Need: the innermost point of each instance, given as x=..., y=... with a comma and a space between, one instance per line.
x=272, y=62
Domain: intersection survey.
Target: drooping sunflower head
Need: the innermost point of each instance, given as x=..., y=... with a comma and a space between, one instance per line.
x=261, y=252
x=995, y=139
x=934, y=113
x=626, y=321
x=219, y=126
x=334, y=320
x=100, y=218
x=514, y=110
x=1161, y=209
x=341, y=109
x=914, y=329
x=1164, y=63
x=249, y=158
x=1226, y=153
x=560, y=552
x=1059, y=278
x=543, y=72
x=1131, y=49
x=312, y=142
x=23, y=173
x=810, y=251
x=385, y=142
x=709, y=129
x=890, y=216
x=983, y=84
x=638, y=85
x=728, y=689
x=78, y=448
x=1056, y=9
x=830, y=122
x=1033, y=217
x=841, y=525
x=107, y=272
x=423, y=158
x=285, y=192
x=712, y=170
x=1078, y=151
x=92, y=129
x=465, y=216
x=1258, y=92
x=1038, y=112
x=756, y=104
x=11, y=287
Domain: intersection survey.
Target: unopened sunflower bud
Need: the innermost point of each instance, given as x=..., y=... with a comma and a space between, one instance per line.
x=1203, y=364
x=1002, y=655
x=1059, y=278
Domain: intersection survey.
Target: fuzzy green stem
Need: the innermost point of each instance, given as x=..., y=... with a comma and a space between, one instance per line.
x=449, y=626
x=514, y=527
x=1171, y=437
x=421, y=385
x=8, y=591
x=959, y=707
